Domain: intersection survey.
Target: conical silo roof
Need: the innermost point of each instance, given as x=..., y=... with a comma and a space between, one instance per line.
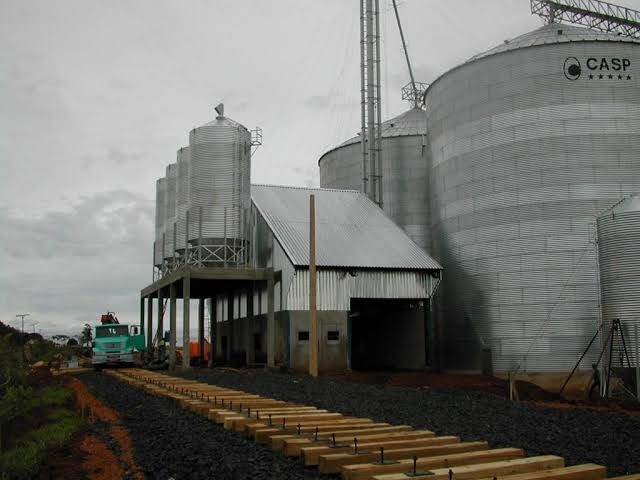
x=555, y=33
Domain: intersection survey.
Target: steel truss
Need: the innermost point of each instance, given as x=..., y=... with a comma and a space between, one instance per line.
x=594, y=14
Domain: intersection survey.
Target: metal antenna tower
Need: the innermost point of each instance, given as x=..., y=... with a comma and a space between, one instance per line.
x=370, y=100
x=595, y=14
x=413, y=91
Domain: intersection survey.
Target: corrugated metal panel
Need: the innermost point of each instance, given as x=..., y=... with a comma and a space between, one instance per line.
x=170, y=210
x=336, y=288
x=619, y=250
x=404, y=172
x=351, y=231
x=220, y=153
x=553, y=34
x=161, y=192
x=182, y=196
x=523, y=160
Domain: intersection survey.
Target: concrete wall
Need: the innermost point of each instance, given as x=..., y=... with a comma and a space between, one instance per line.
x=333, y=355
x=258, y=326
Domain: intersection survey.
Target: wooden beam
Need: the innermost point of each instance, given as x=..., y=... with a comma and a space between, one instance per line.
x=499, y=456
x=265, y=434
x=577, y=472
x=310, y=455
x=332, y=463
x=480, y=470
x=292, y=447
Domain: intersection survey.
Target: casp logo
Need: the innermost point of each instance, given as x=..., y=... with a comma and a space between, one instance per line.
x=572, y=68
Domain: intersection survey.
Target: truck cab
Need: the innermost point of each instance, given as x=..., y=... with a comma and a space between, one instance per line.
x=115, y=343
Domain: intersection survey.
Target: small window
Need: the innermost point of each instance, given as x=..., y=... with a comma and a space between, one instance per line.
x=223, y=342
x=303, y=336
x=257, y=342
x=333, y=335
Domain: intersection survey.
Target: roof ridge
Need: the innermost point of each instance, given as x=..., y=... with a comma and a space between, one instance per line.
x=296, y=187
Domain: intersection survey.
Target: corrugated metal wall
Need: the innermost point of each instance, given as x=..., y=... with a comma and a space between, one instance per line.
x=619, y=249
x=220, y=154
x=404, y=171
x=161, y=192
x=336, y=288
x=523, y=160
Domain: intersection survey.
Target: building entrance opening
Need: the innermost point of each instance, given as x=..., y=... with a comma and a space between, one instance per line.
x=387, y=334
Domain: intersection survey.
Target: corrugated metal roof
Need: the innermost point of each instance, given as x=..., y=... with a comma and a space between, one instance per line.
x=630, y=204
x=555, y=33
x=411, y=122
x=351, y=231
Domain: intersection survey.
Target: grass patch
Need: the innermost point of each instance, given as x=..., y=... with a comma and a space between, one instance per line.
x=51, y=423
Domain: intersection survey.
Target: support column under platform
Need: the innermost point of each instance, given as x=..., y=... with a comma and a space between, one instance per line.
x=186, y=322
x=188, y=282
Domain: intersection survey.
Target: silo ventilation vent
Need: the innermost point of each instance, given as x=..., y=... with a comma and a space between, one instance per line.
x=220, y=110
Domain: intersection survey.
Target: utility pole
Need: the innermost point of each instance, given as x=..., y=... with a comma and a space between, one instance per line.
x=313, y=314
x=22, y=315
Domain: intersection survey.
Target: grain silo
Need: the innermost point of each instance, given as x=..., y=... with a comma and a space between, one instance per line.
x=161, y=191
x=528, y=142
x=219, y=189
x=182, y=197
x=619, y=254
x=170, y=213
x=404, y=171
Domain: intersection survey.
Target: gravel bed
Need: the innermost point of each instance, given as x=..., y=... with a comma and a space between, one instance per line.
x=577, y=434
x=174, y=443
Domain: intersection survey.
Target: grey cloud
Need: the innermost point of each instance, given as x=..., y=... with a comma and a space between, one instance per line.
x=75, y=263
x=330, y=101
x=422, y=73
x=317, y=101
x=115, y=156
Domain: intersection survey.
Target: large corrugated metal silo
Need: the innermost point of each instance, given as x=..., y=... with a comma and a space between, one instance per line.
x=528, y=143
x=161, y=191
x=182, y=197
x=170, y=211
x=619, y=253
x=219, y=184
x=404, y=171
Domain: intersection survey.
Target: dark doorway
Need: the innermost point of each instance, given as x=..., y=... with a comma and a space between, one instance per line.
x=387, y=334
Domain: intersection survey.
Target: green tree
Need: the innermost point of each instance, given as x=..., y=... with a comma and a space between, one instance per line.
x=87, y=335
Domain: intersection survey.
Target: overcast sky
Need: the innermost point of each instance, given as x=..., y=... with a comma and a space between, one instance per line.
x=97, y=96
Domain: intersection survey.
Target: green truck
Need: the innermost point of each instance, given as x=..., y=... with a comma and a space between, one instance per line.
x=115, y=343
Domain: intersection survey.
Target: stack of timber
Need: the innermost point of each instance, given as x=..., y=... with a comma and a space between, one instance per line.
x=356, y=448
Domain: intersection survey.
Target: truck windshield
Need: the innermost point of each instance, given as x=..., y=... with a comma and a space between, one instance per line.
x=112, y=331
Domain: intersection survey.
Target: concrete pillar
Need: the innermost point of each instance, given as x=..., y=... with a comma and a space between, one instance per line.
x=230, y=326
x=149, y=341
x=213, y=311
x=219, y=326
x=142, y=314
x=271, y=325
x=160, y=321
x=172, y=326
x=186, y=321
x=201, y=327
x=250, y=352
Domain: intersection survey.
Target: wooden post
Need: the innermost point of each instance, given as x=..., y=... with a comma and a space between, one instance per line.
x=313, y=315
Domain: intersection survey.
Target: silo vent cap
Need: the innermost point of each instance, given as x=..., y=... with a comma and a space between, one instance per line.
x=220, y=110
